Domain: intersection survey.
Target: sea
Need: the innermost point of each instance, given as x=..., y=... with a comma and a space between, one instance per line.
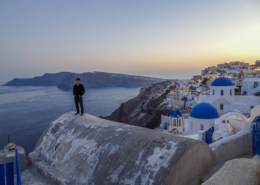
x=25, y=112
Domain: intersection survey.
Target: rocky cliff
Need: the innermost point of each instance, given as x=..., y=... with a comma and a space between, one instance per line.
x=145, y=109
x=45, y=80
x=102, y=79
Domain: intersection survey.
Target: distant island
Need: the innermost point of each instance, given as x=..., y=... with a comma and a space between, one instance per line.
x=65, y=80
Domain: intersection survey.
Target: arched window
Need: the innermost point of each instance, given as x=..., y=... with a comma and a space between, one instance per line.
x=230, y=92
x=213, y=92
x=191, y=125
x=221, y=106
x=222, y=93
x=179, y=122
x=201, y=126
x=174, y=122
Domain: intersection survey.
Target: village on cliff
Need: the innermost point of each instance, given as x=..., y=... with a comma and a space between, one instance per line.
x=225, y=97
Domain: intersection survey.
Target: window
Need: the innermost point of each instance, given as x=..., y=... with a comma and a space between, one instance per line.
x=174, y=122
x=191, y=125
x=230, y=92
x=255, y=84
x=222, y=93
x=213, y=92
x=179, y=122
x=221, y=106
x=201, y=126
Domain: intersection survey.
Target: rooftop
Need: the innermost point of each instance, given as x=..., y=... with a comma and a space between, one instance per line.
x=222, y=81
x=204, y=111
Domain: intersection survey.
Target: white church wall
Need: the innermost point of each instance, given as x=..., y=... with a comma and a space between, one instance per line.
x=164, y=120
x=186, y=124
x=220, y=104
x=217, y=94
x=195, y=125
x=226, y=91
x=233, y=107
x=175, y=125
x=236, y=102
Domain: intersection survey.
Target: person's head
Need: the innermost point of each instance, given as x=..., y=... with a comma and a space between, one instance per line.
x=78, y=81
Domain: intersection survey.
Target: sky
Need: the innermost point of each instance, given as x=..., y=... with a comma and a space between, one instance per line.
x=165, y=39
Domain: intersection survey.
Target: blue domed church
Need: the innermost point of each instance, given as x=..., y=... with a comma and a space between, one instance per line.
x=222, y=94
x=174, y=123
x=202, y=117
x=222, y=97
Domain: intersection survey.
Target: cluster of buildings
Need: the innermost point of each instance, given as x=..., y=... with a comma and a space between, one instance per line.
x=225, y=97
x=238, y=83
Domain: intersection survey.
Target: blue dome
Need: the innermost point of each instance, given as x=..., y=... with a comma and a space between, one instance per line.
x=204, y=111
x=222, y=81
x=176, y=113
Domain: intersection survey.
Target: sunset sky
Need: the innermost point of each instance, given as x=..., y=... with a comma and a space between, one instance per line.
x=167, y=39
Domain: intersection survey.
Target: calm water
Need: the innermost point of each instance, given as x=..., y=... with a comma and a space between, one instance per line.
x=25, y=112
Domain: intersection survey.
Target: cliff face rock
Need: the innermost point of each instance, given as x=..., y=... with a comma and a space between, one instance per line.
x=102, y=79
x=144, y=110
x=45, y=80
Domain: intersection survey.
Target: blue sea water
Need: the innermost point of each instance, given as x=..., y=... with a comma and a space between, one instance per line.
x=25, y=112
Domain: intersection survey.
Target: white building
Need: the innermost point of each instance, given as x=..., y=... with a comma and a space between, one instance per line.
x=250, y=86
x=192, y=98
x=229, y=124
x=174, y=123
x=222, y=97
x=202, y=117
x=238, y=65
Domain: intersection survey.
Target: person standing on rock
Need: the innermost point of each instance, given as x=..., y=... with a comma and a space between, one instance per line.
x=78, y=92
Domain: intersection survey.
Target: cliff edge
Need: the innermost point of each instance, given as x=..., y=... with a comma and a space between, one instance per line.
x=144, y=110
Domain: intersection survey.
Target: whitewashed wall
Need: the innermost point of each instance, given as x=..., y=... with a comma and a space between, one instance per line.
x=164, y=120
x=196, y=125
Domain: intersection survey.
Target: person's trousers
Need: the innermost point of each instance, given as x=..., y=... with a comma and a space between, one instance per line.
x=79, y=101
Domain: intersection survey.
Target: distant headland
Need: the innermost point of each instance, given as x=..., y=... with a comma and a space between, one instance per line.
x=65, y=80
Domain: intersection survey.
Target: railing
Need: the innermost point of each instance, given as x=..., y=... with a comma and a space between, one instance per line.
x=256, y=136
x=7, y=172
x=18, y=172
x=208, y=135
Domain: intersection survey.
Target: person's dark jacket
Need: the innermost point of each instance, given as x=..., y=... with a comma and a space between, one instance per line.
x=78, y=90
